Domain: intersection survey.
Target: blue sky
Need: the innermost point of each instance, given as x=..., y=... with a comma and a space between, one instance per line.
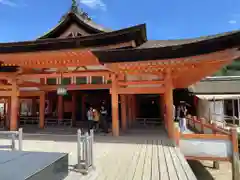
x=166, y=19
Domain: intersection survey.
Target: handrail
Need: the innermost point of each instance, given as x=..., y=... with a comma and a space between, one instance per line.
x=191, y=139
x=203, y=125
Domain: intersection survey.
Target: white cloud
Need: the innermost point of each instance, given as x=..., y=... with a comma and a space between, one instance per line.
x=8, y=3
x=232, y=21
x=94, y=4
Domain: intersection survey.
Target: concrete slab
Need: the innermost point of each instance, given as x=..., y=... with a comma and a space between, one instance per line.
x=24, y=165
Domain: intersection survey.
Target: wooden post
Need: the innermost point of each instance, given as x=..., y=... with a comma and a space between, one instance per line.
x=34, y=106
x=114, y=94
x=123, y=112
x=162, y=109
x=168, y=97
x=134, y=108
x=83, y=107
x=215, y=163
x=129, y=111
x=235, y=157
x=74, y=108
x=41, y=110
x=60, y=107
x=8, y=113
x=14, y=106
x=177, y=133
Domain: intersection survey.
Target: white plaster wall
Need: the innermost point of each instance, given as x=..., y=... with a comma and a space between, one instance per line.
x=205, y=109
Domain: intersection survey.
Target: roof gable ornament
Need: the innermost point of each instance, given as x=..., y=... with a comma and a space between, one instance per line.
x=75, y=9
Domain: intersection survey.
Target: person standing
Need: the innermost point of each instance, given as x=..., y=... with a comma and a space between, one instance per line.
x=103, y=119
x=96, y=119
x=90, y=119
x=182, y=117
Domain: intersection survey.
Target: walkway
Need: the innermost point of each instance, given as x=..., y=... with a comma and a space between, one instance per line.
x=138, y=155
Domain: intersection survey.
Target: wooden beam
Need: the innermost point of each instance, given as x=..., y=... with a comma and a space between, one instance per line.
x=5, y=93
x=143, y=90
x=65, y=75
x=76, y=87
x=31, y=93
x=126, y=83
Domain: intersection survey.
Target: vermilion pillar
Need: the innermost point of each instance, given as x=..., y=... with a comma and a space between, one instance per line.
x=8, y=112
x=14, y=107
x=123, y=112
x=115, y=115
x=134, y=107
x=129, y=110
x=162, y=110
x=41, y=110
x=168, y=97
x=74, y=108
x=60, y=107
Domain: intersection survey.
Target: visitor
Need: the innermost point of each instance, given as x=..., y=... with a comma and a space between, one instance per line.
x=103, y=119
x=90, y=119
x=182, y=112
x=96, y=118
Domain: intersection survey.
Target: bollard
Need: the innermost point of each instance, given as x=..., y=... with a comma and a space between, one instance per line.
x=91, y=143
x=13, y=142
x=85, y=151
x=79, y=134
x=20, y=137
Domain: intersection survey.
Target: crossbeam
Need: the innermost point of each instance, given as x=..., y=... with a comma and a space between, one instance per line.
x=64, y=74
x=144, y=90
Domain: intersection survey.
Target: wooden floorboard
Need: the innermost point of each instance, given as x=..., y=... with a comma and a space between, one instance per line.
x=138, y=155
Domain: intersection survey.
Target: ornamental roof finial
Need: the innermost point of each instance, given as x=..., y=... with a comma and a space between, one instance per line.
x=74, y=6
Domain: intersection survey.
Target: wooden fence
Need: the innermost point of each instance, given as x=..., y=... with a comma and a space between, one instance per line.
x=212, y=143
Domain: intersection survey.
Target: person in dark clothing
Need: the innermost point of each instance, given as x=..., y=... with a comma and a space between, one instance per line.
x=103, y=119
x=90, y=119
x=182, y=112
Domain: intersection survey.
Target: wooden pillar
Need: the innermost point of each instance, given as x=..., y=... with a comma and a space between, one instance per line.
x=129, y=110
x=83, y=105
x=74, y=108
x=114, y=94
x=34, y=106
x=41, y=110
x=134, y=107
x=123, y=112
x=8, y=113
x=168, y=97
x=163, y=109
x=60, y=107
x=14, y=107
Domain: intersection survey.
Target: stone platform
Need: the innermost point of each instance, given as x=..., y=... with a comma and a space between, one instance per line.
x=23, y=165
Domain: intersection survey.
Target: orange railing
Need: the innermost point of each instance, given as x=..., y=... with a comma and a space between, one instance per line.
x=209, y=136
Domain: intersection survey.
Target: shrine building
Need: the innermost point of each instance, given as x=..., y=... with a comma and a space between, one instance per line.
x=78, y=64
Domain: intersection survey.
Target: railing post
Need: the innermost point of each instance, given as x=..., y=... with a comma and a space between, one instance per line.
x=20, y=137
x=85, y=150
x=235, y=155
x=177, y=134
x=91, y=146
x=13, y=142
x=215, y=163
x=79, y=133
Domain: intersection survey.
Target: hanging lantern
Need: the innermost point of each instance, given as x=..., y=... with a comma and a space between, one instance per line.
x=62, y=91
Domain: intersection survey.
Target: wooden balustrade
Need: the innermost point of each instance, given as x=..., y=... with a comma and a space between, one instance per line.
x=212, y=143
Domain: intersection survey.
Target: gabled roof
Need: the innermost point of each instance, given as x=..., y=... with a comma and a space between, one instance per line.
x=81, y=19
x=162, y=49
x=136, y=34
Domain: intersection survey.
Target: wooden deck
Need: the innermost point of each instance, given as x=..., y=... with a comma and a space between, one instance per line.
x=140, y=155
x=137, y=155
